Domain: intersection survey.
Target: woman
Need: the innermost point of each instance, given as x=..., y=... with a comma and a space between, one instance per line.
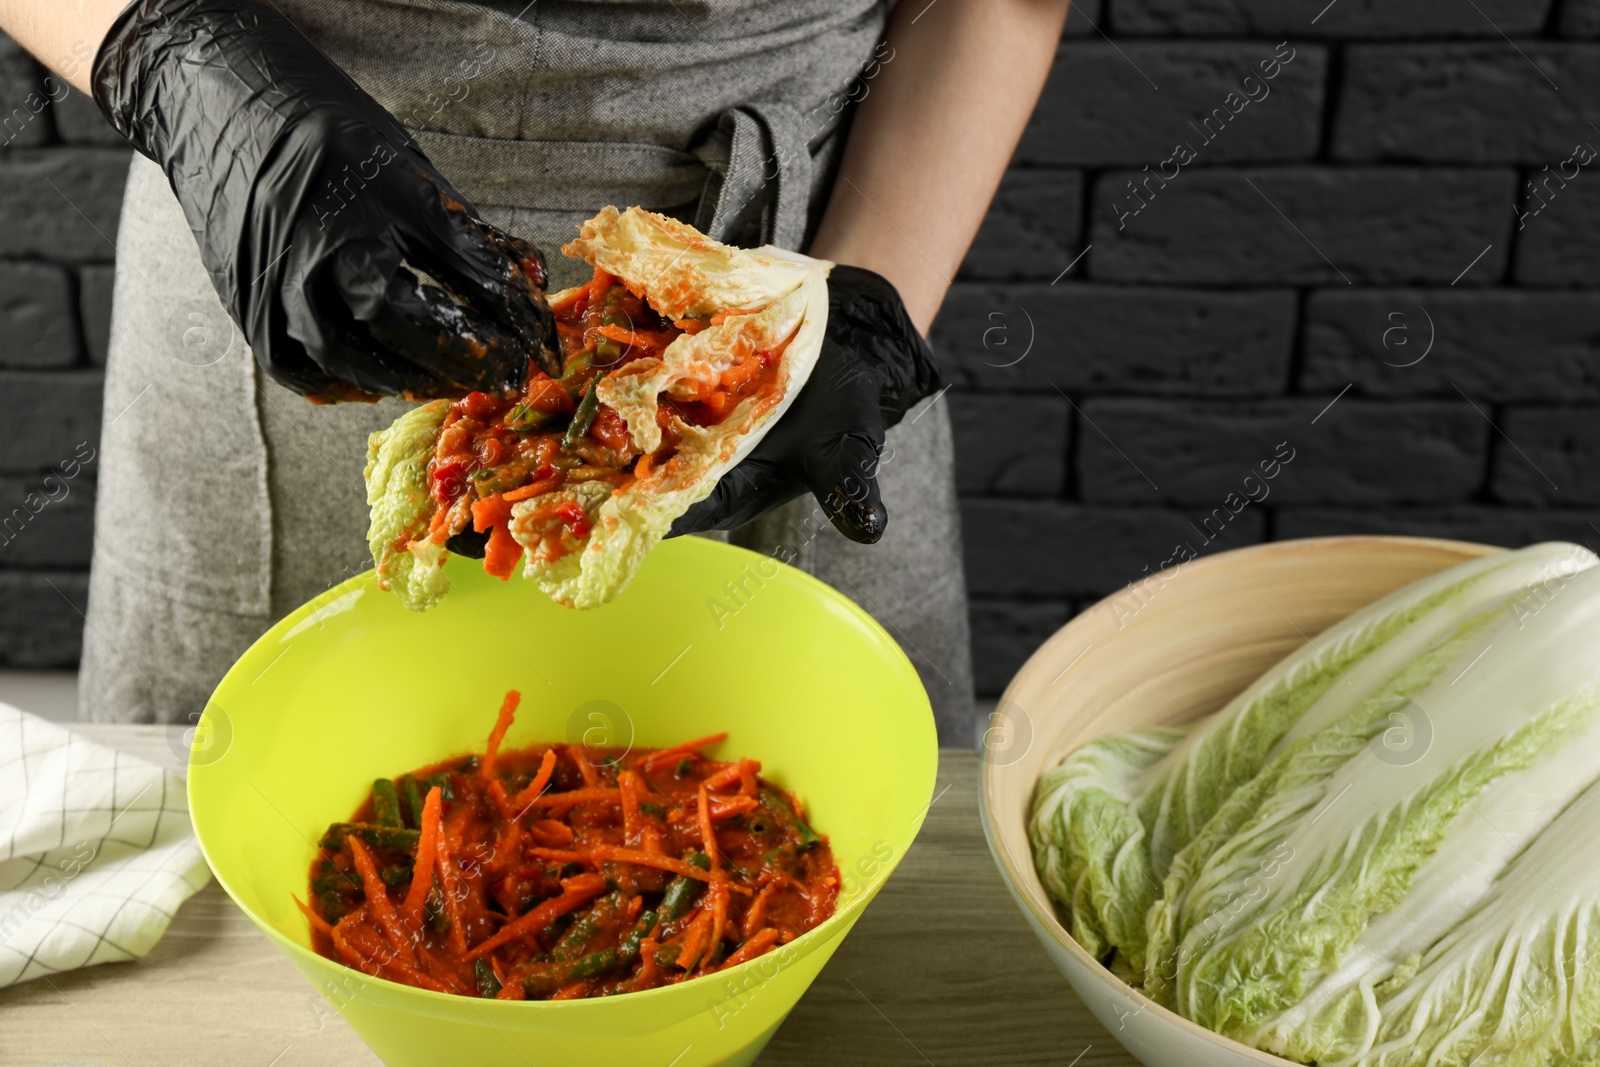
x=281, y=193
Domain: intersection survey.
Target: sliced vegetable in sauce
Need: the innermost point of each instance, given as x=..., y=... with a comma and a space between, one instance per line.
x=562, y=871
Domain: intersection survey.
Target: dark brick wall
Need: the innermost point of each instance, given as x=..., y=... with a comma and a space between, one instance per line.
x=1323, y=231
x=61, y=176
x=1149, y=349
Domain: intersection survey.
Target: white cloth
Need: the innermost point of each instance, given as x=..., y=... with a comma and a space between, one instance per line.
x=96, y=851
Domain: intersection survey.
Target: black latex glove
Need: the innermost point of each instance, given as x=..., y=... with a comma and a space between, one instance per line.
x=874, y=367
x=314, y=210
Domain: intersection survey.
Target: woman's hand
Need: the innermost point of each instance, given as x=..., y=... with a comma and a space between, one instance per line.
x=874, y=367
x=317, y=215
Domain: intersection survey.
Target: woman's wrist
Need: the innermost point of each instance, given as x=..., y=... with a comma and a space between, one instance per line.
x=62, y=36
x=847, y=239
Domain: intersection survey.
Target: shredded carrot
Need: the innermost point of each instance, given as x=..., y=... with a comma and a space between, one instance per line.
x=378, y=899
x=651, y=760
x=719, y=915
x=693, y=941
x=502, y=800
x=723, y=778
x=489, y=512
x=629, y=781
x=719, y=403
x=690, y=326
x=651, y=842
x=533, y=489
x=569, y=298
x=576, y=892
x=708, y=836
x=723, y=810
x=502, y=723
x=601, y=853
x=758, y=910
x=575, y=991
x=436, y=524
x=318, y=923
x=502, y=553
x=647, y=340
x=551, y=833
x=341, y=937
x=572, y=797
x=755, y=945
x=600, y=283
x=450, y=888
x=547, y=767
x=591, y=777
x=473, y=873
x=427, y=851
x=743, y=372
x=649, y=973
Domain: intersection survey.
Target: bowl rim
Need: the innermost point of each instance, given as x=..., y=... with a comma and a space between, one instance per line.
x=836, y=925
x=1047, y=921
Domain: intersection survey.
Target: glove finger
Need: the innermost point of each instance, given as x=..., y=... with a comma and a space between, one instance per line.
x=469, y=543
x=499, y=275
x=842, y=473
x=355, y=361
x=286, y=361
x=750, y=490
x=450, y=349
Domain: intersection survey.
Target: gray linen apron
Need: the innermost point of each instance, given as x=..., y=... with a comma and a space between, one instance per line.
x=226, y=501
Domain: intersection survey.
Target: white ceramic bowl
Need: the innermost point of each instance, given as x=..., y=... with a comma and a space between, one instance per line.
x=1175, y=648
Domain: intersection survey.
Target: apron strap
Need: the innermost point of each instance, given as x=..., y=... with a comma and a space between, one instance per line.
x=758, y=186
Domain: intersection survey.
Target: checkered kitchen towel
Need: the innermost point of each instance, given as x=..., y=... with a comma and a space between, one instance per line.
x=96, y=851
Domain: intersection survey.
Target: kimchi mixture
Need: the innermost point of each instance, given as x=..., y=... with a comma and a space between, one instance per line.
x=563, y=871
x=495, y=452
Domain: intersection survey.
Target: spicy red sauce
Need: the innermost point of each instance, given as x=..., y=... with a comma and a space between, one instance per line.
x=494, y=452
x=563, y=871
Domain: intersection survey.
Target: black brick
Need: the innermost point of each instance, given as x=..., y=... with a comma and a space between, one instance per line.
x=24, y=97
x=37, y=325
x=1548, y=456
x=1560, y=246
x=1034, y=228
x=1085, y=19
x=46, y=415
x=1466, y=103
x=1005, y=633
x=80, y=121
x=1043, y=549
x=1375, y=224
x=47, y=520
x=77, y=218
x=1509, y=345
x=1102, y=105
x=1008, y=445
x=1319, y=18
x=1508, y=526
x=94, y=308
x=1101, y=338
x=1580, y=18
x=1357, y=451
x=41, y=624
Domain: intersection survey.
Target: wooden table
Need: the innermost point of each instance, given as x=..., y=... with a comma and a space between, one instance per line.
x=941, y=970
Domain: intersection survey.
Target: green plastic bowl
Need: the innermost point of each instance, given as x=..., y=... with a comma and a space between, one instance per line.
x=708, y=637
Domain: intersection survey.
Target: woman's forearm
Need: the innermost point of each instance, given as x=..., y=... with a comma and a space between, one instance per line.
x=63, y=34
x=932, y=137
